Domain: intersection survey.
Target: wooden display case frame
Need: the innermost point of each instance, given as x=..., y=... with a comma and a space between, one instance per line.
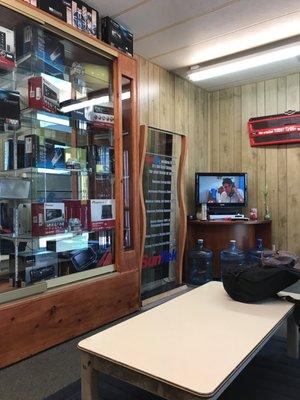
x=40, y=321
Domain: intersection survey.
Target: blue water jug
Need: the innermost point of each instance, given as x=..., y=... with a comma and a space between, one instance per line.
x=254, y=255
x=199, y=268
x=232, y=257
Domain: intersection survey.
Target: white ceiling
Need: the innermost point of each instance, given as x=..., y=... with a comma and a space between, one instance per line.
x=179, y=33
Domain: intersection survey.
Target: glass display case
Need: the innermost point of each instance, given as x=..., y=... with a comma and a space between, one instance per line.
x=69, y=209
x=57, y=163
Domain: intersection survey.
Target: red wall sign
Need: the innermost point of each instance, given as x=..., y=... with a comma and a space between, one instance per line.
x=275, y=129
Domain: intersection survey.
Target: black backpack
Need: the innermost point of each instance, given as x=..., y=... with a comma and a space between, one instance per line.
x=256, y=283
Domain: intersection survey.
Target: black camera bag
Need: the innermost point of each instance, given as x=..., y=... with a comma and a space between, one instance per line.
x=256, y=283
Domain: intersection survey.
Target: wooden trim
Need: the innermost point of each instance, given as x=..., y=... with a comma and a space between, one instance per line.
x=118, y=163
x=34, y=324
x=128, y=68
x=48, y=20
x=182, y=210
x=143, y=219
x=157, y=299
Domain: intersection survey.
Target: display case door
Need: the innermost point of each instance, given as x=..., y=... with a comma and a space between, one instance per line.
x=163, y=221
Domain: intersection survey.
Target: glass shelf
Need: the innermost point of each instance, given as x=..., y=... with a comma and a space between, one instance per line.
x=57, y=236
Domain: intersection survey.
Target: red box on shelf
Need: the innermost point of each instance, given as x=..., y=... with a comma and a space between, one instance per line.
x=43, y=95
x=48, y=218
x=101, y=214
x=77, y=209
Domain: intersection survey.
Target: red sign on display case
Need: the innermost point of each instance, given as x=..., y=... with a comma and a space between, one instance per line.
x=275, y=129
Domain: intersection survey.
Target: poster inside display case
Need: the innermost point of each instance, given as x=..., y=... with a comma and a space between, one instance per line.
x=162, y=199
x=57, y=175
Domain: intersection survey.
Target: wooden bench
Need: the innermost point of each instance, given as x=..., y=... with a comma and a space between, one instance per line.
x=189, y=348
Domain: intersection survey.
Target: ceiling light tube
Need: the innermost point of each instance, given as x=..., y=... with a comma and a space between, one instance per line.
x=78, y=105
x=245, y=63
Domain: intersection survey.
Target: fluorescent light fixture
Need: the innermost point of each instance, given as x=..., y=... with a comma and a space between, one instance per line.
x=53, y=118
x=245, y=63
x=53, y=171
x=78, y=105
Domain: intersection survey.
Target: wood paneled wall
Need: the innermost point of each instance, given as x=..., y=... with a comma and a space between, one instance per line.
x=276, y=166
x=172, y=103
x=216, y=126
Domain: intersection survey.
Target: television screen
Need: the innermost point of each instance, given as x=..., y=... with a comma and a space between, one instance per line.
x=221, y=189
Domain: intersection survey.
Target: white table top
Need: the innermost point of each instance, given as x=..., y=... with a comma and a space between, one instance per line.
x=194, y=341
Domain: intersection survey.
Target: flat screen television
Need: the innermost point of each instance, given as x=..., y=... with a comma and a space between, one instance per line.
x=221, y=189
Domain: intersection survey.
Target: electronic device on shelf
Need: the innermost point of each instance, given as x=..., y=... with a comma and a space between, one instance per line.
x=9, y=110
x=225, y=193
x=47, y=218
x=6, y=219
x=100, y=116
x=84, y=259
x=24, y=211
x=101, y=214
x=100, y=159
x=228, y=217
x=32, y=40
x=116, y=35
x=76, y=13
x=7, y=49
x=84, y=18
x=9, y=153
x=77, y=209
x=35, y=266
x=42, y=95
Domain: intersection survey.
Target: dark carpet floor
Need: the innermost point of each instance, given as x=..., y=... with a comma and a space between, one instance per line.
x=270, y=376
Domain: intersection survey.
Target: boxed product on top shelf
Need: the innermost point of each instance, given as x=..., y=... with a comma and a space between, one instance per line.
x=116, y=35
x=76, y=13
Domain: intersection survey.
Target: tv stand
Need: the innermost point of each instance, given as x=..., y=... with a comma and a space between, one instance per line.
x=217, y=234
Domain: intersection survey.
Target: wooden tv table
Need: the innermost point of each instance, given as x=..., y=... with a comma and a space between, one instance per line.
x=217, y=234
x=189, y=348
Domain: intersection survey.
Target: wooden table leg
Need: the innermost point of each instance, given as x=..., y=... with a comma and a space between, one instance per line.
x=89, y=378
x=292, y=337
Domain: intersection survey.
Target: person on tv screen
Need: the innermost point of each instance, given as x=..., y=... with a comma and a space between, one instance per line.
x=231, y=193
